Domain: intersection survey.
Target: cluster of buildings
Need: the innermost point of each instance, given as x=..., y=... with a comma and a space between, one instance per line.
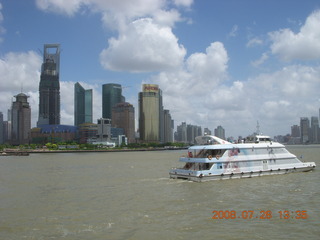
x=307, y=132
x=117, y=124
x=115, y=127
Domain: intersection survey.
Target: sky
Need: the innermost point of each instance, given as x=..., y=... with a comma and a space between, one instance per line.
x=230, y=63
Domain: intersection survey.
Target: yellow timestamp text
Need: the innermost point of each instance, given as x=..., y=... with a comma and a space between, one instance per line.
x=261, y=214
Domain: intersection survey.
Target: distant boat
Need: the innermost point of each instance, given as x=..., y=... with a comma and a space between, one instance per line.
x=214, y=158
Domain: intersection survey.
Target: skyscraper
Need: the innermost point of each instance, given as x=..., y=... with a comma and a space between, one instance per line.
x=1, y=129
x=123, y=117
x=304, y=128
x=220, y=132
x=168, y=127
x=149, y=113
x=111, y=95
x=21, y=120
x=314, y=130
x=82, y=105
x=49, y=88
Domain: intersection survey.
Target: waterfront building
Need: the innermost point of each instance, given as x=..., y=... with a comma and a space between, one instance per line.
x=181, y=135
x=295, y=131
x=161, y=118
x=111, y=95
x=123, y=117
x=1, y=129
x=47, y=133
x=314, y=130
x=220, y=132
x=149, y=113
x=87, y=132
x=304, y=129
x=193, y=131
x=21, y=120
x=82, y=105
x=168, y=126
x=49, y=87
x=104, y=130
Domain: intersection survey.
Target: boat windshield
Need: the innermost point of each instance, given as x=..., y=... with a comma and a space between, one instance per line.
x=204, y=153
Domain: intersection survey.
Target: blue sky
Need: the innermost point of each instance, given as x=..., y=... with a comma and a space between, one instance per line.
x=229, y=63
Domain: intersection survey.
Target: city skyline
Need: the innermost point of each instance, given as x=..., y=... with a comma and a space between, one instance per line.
x=217, y=63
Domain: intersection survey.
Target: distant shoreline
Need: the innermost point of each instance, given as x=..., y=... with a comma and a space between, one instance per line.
x=27, y=152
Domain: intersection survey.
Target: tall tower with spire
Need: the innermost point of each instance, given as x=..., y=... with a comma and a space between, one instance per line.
x=49, y=88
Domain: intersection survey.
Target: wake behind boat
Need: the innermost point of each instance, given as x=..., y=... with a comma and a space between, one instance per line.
x=214, y=159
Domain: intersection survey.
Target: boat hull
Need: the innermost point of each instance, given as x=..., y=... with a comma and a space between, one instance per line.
x=237, y=175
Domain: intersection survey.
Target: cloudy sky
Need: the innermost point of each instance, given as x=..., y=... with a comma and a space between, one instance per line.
x=230, y=63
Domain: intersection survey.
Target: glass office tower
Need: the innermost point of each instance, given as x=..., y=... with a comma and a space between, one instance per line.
x=111, y=95
x=49, y=88
x=82, y=105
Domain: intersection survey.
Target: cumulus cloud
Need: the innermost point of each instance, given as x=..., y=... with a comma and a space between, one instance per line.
x=115, y=13
x=19, y=70
x=69, y=7
x=197, y=87
x=144, y=46
x=304, y=45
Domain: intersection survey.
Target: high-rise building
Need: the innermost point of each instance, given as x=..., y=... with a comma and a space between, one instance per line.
x=181, y=135
x=111, y=95
x=304, y=128
x=168, y=127
x=123, y=117
x=295, y=131
x=220, y=132
x=49, y=88
x=1, y=129
x=314, y=130
x=149, y=113
x=21, y=120
x=82, y=105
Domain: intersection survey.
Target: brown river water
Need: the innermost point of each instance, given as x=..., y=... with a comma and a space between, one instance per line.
x=128, y=195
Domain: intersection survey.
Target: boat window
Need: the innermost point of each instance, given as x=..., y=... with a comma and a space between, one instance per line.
x=204, y=153
x=197, y=166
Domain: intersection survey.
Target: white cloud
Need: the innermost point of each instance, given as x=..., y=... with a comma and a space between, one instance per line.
x=254, y=42
x=116, y=13
x=145, y=42
x=69, y=7
x=261, y=60
x=144, y=46
x=305, y=45
x=19, y=70
x=233, y=31
x=184, y=3
x=210, y=66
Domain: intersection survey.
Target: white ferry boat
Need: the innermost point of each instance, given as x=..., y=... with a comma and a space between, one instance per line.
x=214, y=159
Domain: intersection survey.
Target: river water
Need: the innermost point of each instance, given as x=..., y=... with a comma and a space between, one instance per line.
x=129, y=195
